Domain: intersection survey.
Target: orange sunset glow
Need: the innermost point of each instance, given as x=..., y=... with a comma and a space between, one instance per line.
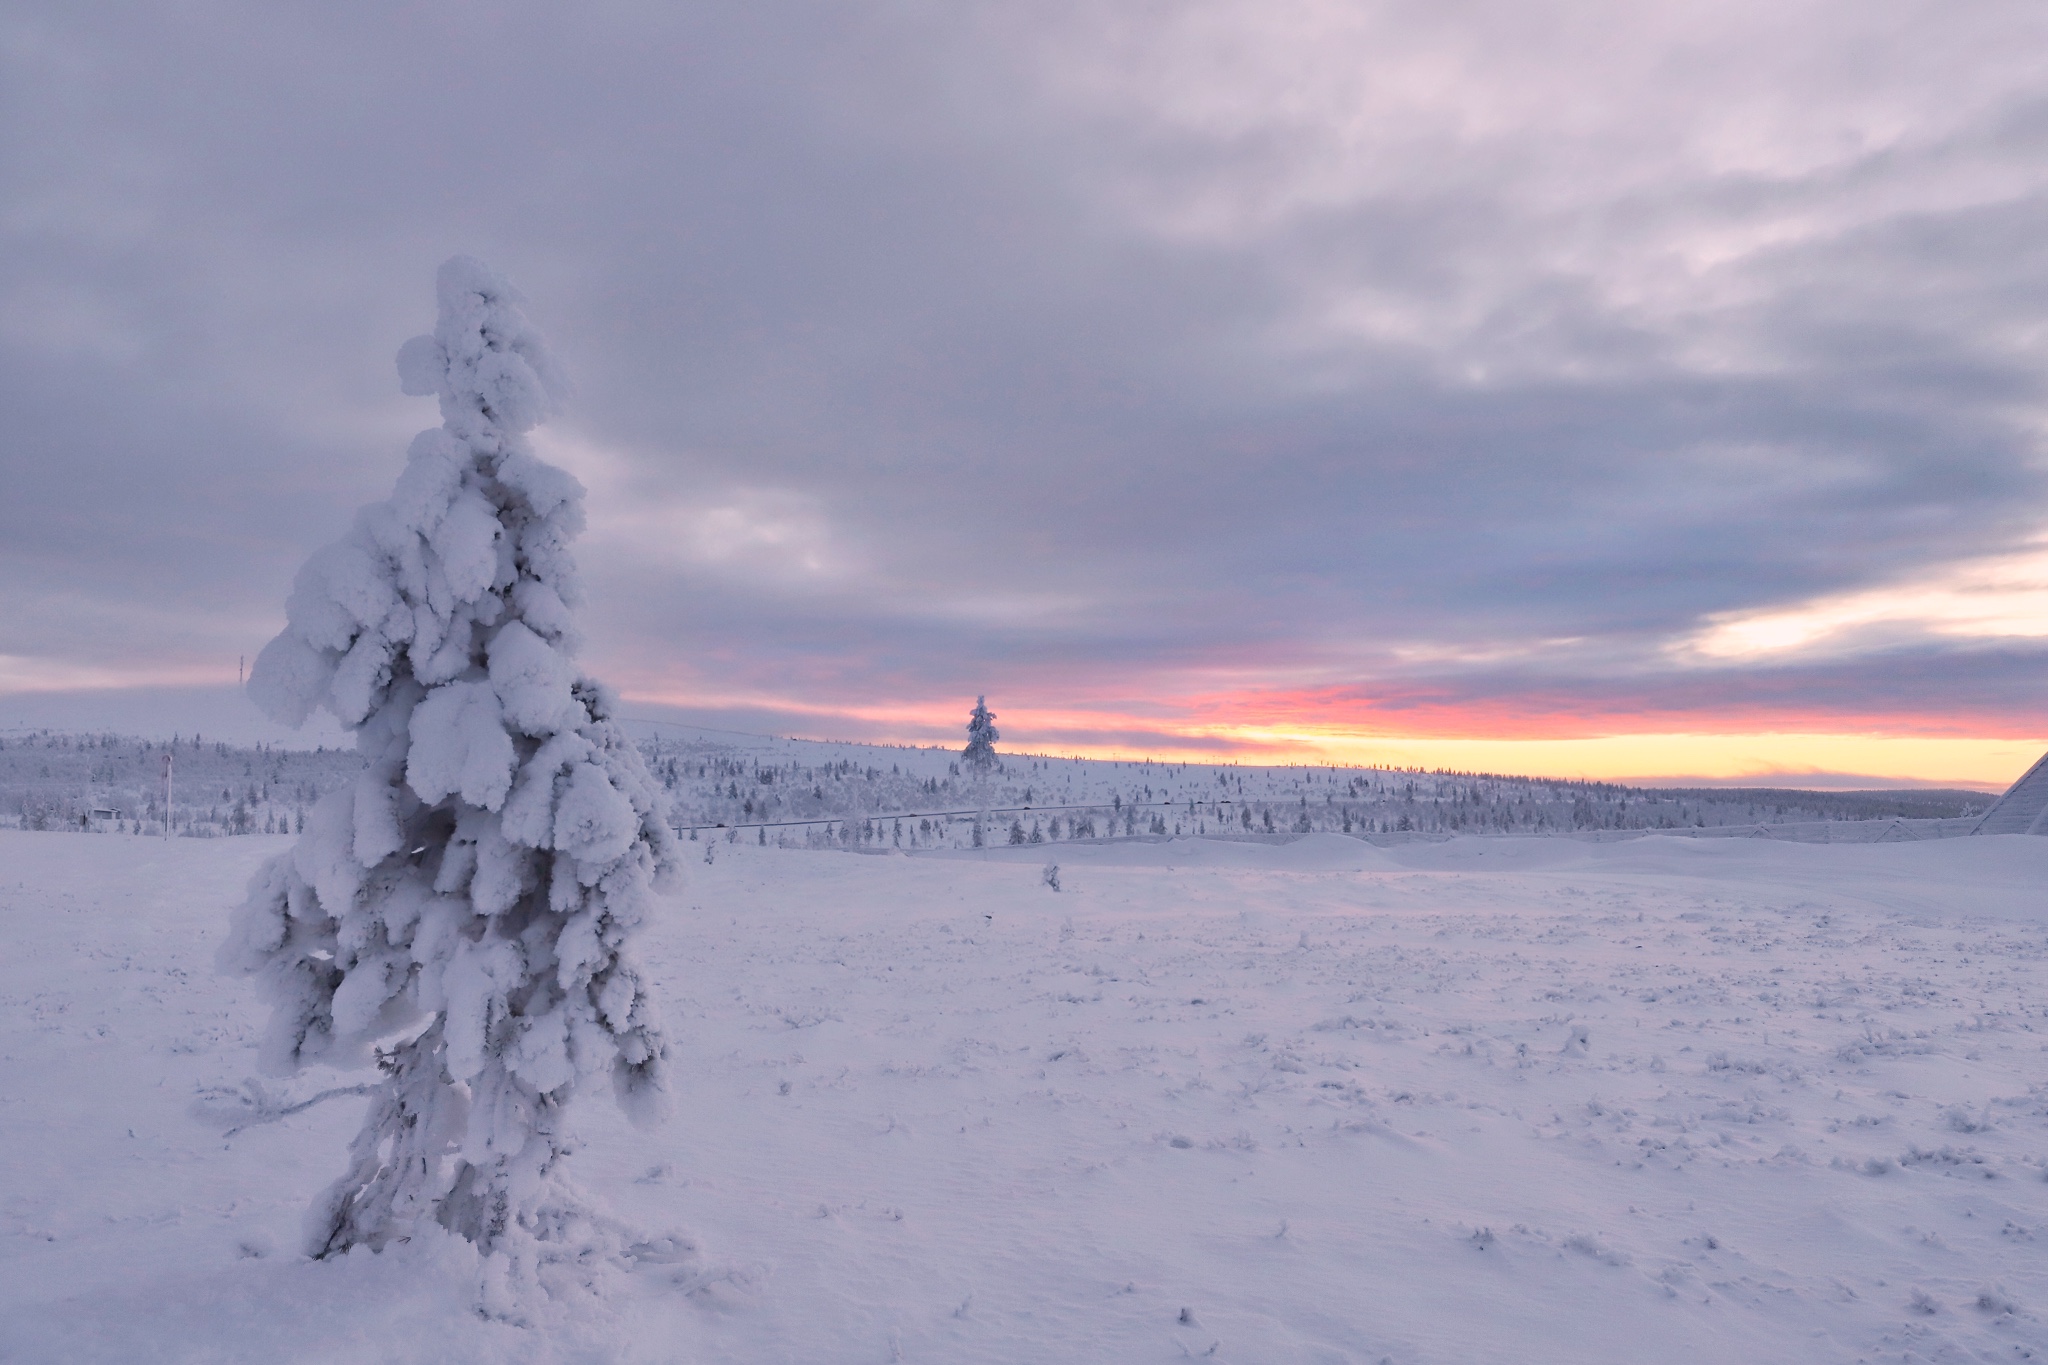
x=1302, y=728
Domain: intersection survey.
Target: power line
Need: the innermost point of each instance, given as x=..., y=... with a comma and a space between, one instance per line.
x=685, y=725
x=931, y=814
x=787, y=739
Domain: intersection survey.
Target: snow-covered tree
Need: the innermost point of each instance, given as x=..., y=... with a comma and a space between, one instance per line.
x=462, y=914
x=982, y=735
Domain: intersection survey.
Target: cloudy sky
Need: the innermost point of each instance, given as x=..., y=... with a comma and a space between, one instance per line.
x=1628, y=389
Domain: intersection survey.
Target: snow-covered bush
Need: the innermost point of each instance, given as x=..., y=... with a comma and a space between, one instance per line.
x=469, y=901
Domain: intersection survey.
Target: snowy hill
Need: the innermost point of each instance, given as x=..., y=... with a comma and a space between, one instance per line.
x=806, y=793
x=1475, y=1101
x=812, y=794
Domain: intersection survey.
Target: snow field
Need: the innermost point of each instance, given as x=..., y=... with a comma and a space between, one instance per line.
x=1488, y=1100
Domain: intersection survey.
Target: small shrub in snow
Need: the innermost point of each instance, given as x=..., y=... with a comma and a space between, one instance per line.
x=1992, y=1298
x=469, y=900
x=1960, y=1120
x=1588, y=1245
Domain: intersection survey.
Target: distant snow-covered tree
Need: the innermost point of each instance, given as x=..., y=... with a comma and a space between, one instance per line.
x=980, y=753
x=469, y=902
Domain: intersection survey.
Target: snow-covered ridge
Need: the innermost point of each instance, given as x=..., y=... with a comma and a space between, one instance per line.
x=807, y=792
x=810, y=793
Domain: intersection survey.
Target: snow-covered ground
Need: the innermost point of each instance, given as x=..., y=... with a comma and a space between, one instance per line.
x=1487, y=1100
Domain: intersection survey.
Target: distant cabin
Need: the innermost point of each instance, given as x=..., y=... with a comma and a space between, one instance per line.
x=2024, y=807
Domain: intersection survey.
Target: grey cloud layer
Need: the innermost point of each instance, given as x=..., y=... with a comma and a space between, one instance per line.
x=1105, y=343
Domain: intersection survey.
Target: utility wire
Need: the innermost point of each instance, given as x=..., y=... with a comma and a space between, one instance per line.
x=928, y=814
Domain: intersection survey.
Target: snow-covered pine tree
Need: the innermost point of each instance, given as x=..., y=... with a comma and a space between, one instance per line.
x=982, y=735
x=469, y=901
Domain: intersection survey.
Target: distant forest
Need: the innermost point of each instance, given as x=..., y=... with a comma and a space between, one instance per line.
x=111, y=782
x=812, y=794
x=785, y=791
